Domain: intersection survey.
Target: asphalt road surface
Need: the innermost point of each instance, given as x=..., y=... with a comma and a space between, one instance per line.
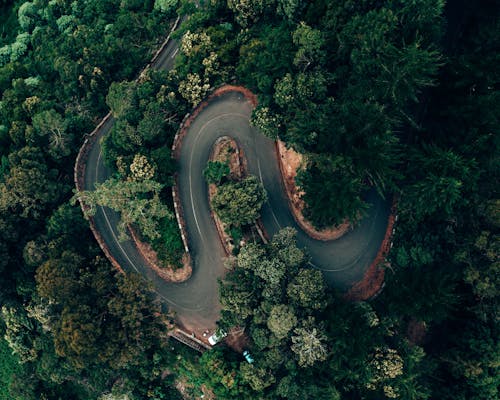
x=196, y=300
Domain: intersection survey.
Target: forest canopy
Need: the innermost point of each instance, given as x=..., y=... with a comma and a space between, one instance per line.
x=396, y=96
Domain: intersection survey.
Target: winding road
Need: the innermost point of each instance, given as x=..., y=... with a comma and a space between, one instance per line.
x=196, y=301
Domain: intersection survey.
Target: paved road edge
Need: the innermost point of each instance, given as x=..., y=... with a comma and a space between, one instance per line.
x=373, y=279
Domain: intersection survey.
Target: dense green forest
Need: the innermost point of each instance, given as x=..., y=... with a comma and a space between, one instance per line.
x=396, y=96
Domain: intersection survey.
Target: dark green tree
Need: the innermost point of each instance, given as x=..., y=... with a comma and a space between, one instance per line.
x=215, y=171
x=333, y=192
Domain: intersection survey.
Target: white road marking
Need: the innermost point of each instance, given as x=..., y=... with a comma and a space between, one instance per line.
x=174, y=53
x=192, y=203
x=190, y=172
x=269, y=204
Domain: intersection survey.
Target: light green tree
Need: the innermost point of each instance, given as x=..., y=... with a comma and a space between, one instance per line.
x=309, y=344
x=138, y=202
x=271, y=271
x=141, y=169
x=247, y=11
x=257, y=378
x=386, y=365
x=193, y=89
x=291, y=8
x=281, y=320
x=50, y=123
x=266, y=121
x=26, y=15
x=165, y=6
x=19, y=332
x=284, y=247
x=119, y=98
x=251, y=256
x=310, y=46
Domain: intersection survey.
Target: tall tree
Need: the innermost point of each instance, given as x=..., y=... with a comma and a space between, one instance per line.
x=138, y=202
x=332, y=191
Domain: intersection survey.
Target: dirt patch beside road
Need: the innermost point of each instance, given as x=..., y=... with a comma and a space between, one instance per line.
x=167, y=272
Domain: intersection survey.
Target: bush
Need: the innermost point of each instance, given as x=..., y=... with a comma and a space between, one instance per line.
x=169, y=246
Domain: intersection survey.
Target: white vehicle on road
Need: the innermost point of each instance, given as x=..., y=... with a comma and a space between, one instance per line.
x=217, y=337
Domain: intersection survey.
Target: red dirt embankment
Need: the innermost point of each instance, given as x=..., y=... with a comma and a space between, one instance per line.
x=373, y=279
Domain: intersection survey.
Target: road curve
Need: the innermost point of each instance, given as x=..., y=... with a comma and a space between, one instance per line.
x=343, y=261
x=196, y=300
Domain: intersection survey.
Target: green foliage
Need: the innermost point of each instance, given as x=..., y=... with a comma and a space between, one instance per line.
x=281, y=320
x=307, y=290
x=169, y=245
x=247, y=11
x=19, y=333
x=97, y=313
x=216, y=171
x=147, y=114
x=309, y=42
x=332, y=191
x=138, y=202
x=57, y=60
x=218, y=369
x=31, y=185
x=27, y=14
x=295, y=354
x=309, y=345
x=438, y=192
x=164, y=163
x=239, y=203
x=165, y=6
x=265, y=57
x=8, y=21
x=9, y=365
x=291, y=8
x=355, y=86
x=51, y=125
x=255, y=295
x=266, y=122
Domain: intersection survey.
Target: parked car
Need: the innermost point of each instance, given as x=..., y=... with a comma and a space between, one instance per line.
x=217, y=337
x=248, y=356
